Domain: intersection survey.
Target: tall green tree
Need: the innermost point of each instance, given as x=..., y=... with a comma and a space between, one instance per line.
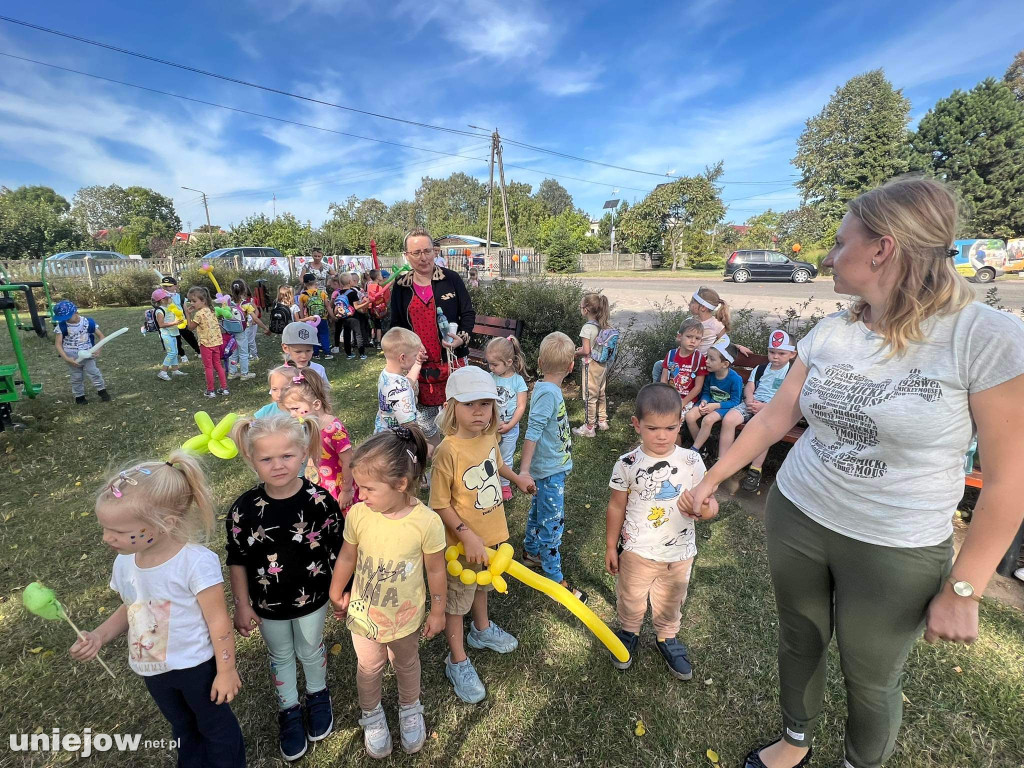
x=452, y=205
x=857, y=141
x=802, y=225
x=762, y=230
x=35, y=222
x=554, y=196
x=975, y=140
x=1014, y=76
x=111, y=207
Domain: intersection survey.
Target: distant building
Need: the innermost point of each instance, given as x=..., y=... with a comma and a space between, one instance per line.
x=595, y=227
x=182, y=237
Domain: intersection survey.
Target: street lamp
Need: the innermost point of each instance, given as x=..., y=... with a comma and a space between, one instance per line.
x=613, y=204
x=209, y=227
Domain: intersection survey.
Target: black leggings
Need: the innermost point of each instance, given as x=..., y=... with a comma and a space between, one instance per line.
x=190, y=337
x=352, y=326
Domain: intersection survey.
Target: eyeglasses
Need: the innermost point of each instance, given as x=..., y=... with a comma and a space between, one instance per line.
x=427, y=252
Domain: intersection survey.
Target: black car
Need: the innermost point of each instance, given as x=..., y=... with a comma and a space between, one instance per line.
x=742, y=266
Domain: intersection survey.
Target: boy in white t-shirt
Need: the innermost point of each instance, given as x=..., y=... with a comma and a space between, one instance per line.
x=396, y=385
x=650, y=545
x=761, y=387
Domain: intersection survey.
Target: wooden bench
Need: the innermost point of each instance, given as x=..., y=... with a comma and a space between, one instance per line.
x=493, y=328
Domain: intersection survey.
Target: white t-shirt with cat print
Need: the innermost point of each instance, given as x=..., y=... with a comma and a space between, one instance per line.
x=166, y=628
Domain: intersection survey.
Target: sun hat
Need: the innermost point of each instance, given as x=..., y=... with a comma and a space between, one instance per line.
x=299, y=333
x=160, y=294
x=64, y=310
x=469, y=384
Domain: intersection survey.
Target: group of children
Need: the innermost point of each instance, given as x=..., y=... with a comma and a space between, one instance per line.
x=335, y=528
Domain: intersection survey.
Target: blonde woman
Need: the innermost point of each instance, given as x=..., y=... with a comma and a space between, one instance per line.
x=859, y=523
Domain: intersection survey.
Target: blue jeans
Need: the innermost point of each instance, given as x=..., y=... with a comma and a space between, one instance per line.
x=287, y=639
x=545, y=524
x=239, y=360
x=208, y=733
x=507, y=444
x=170, y=343
x=323, y=335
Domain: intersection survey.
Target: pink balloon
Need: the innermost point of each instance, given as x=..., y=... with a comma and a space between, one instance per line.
x=314, y=320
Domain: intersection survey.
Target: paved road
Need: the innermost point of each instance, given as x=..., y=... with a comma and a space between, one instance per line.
x=635, y=296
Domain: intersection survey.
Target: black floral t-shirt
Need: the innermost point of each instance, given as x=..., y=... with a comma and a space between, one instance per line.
x=288, y=548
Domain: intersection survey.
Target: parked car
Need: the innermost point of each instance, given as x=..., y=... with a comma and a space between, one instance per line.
x=245, y=252
x=85, y=254
x=742, y=266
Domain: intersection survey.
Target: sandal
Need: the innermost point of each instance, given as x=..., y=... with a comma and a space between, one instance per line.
x=579, y=594
x=753, y=758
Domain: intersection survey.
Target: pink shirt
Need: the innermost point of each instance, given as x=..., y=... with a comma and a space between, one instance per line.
x=425, y=292
x=334, y=441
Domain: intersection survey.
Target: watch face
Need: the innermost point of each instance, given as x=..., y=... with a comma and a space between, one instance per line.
x=963, y=588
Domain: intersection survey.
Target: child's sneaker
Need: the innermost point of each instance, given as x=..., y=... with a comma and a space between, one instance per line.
x=178, y=373
x=183, y=359
x=630, y=640
x=675, y=654
x=254, y=358
x=530, y=561
x=291, y=733
x=335, y=350
x=493, y=638
x=223, y=392
x=752, y=481
x=584, y=430
x=247, y=376
x=376, y=736
x=210, y=393
x=576, y=592
x=1019, y=573
x=464, y=680
x=104, y=395
x=80, y=400
x=603, y=426
x=232, y=376
x=412, y=728
x=163, y=375
x=319, y=715
x=506, y=493
x=326, y=357
x=351, y=357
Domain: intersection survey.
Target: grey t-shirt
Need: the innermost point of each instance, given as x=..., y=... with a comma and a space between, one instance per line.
x=882, y=458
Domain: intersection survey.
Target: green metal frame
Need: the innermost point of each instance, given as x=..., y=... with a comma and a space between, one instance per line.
x=5, y=279
x=30, y=389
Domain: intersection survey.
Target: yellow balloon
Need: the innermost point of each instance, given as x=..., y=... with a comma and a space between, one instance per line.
x=204, y=422
x=223, y=426
x=177, y=314
x=224, y=448
x=196, y=444
x=454, y=567
x=452, y=553
x=484, y=578
x=467, y=576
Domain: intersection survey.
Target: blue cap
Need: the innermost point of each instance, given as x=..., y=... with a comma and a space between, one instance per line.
x=385, y=274
x=64, y=310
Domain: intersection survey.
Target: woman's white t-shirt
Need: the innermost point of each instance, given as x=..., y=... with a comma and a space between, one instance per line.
x=882, y=458
x=166, y=627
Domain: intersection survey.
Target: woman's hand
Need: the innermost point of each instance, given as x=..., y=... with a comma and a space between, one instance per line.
x=86, y=647
x=951, y=617
x=458, y=341
x=699, y=498
x=226, y=686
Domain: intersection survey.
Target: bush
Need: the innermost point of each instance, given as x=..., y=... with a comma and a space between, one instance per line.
x=543, y=304
x=751, y=329
x=127, y=287
x=74, y=290
x=707, y=262
x=225, y=276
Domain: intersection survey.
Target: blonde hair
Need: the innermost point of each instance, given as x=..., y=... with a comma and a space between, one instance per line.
x=305, y=434
x=173, y=495
x=507, y=348
x=416, y=232
x=394, y=454
x=286, y=294
x=282, y=370
x=710, y=295
x=597, y=309
x=920, y=215
x=448, y=421
x=399, y=340
x=557, y=351
x=309, y=385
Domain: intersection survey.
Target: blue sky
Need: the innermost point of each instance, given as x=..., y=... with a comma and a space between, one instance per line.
x=659, y=86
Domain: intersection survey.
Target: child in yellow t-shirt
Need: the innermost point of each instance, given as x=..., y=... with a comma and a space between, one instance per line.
x=390, y=539
x=466, y=493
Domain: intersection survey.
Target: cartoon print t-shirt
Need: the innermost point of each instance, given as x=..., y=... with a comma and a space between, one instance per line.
x=396, y=401
x=288, y=548
x=465, y=477
x=654, y=527
x=334, y=441
x=548, y=426
x=509, y=388
x=77, y=337
x=166, y=628
x=388, y=592
x=684, y=370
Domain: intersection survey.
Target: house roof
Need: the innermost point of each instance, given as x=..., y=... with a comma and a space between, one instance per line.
x=182, y=236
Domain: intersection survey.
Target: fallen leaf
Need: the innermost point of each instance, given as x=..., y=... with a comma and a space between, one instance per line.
x=39, y=729
x=433, y=734
x=35, y=650
x=335, y=649
x=709, y=681
x=102, y=609
x=640, y=729
x=221, y=517
x=549, y=661
x=15, y=471
x=78, y=483
x=83, y=557
x=957, y=670
x=86, y=514
x=712, y=756
x=8, y=516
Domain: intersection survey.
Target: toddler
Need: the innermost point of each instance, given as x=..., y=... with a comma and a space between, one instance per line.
x=297, y=343
x=313, y=303
x=278, y=379
x=203, y=321
x=74, y=334
x=685, y=367
x=167, y=322
x=396, y=385
x=723, y=391
x=170, y=285
x=594, y=307
x=508, y=367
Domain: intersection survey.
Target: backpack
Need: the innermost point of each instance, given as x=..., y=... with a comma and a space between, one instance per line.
x=760, y=370
x=280, y=316
x=236, y=323
x=342, y=305
x=149, y=324
x=90, y=325
x=378, y=301
x=605, y=346
x=315, y=304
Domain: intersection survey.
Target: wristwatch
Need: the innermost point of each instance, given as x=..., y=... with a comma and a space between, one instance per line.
x=964, y=589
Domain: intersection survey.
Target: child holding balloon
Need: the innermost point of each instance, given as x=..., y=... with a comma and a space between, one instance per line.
x=179, y=632
x=203, y=321
x=391, y=539
x=283, y=537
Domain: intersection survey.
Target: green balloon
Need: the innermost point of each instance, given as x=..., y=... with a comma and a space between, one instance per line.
x=41, y=601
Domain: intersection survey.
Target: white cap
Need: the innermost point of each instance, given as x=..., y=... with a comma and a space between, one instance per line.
x=469, y=384
x=780, y=340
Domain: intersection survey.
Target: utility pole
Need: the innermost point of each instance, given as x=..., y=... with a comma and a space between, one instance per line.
x=209, y=226
x=490, y=214
x=496, y=154
x=504, y=196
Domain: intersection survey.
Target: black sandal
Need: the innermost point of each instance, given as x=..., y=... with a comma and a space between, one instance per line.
x=753, y=758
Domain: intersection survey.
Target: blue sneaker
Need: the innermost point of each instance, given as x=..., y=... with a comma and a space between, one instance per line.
x=319, y=715
x=675, y=654
x=465, y=680
x=630, y=640
x=493, y=638
x=292, y=734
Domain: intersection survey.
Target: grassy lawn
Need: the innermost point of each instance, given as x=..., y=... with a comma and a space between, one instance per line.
x=556, y=701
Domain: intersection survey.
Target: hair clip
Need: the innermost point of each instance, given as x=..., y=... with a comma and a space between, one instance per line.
x=402, y=432
x=302, y=420
x=125, y=477
x=169, y=464
x=510, y=337
x=953, y=253
x=298, y=379
x=412, y=456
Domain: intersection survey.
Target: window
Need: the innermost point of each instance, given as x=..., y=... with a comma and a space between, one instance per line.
x=255, y=253
x=752, y=257
x=777, y=258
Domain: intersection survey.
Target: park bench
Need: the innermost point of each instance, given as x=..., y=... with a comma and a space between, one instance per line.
x=491, y=328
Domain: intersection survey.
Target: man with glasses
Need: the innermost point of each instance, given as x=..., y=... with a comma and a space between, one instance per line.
x=418, y=299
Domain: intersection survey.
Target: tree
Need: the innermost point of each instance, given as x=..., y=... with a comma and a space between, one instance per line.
x=761, y=230
x=857, y=141
x=569, y=224
x=526, y=214
x=35, y=222
x=404, y=215
x=452, y=205
x=562, y=248
x=975, y=141
x=110, y=207
x=554, y=196
x=802, y=225
x=1014, y=76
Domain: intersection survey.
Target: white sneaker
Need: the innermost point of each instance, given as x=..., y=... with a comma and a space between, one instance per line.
x=247, y=376
x=163, y=375
x=412, y=728
x=183, y=359
x=178, y=373
x=335, y=350
x=1019, y=573
x=376, y=736
x=584, y=431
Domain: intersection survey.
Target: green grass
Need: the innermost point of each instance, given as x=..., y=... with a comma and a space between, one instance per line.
x=556, y=701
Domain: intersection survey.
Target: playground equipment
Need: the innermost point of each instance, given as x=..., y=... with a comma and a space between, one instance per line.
x=8, y=381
